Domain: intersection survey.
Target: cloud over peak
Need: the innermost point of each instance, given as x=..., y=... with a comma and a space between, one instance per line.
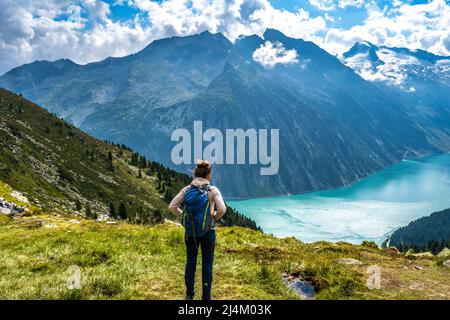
x=91, y=30
x=270, y=54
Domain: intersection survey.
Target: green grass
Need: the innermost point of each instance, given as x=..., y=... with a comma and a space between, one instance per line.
x=125, y=261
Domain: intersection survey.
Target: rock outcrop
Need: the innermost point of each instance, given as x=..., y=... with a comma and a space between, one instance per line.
x=445, y=253
x=349, y=261
x=10, y=208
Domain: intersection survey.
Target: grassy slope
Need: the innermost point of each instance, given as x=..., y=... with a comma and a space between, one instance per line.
x=126, y=261
x=56, y=165
x=35, y=146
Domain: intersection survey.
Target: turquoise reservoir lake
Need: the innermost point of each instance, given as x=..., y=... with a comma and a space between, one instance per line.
x=369, y=209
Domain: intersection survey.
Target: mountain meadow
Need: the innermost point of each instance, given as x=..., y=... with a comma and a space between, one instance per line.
x=69, y=200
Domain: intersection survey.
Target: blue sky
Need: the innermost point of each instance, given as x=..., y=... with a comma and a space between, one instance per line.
x=91, y=30
x=343, y=17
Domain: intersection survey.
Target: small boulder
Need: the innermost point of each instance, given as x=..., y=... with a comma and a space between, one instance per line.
x=446, y=263
x=418, y=267
x=349, y=261
x=10, y=208
x=6, y=211
x=33, y=223
x=444, y=253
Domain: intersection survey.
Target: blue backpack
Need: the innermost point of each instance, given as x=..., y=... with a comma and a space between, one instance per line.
x=197, y=219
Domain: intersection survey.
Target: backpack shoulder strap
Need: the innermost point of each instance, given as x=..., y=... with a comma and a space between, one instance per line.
x=212, y=203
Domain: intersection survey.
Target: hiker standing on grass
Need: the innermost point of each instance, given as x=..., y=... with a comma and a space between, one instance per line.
x=203, y=205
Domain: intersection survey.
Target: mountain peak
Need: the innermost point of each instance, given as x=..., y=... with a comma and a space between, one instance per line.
x=361, y=47
x=365, y=43
x=273, y=34
x=50, y=67
x=65, y=61
x=203, y=38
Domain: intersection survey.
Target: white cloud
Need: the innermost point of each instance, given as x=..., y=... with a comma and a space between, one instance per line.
x=324, y=5
x=330, y=5
x=98, y=10
x=297, y=24
x=33, y=30
x=230, y=17
x=423, y=26
x=270, y=54
x=350, y=3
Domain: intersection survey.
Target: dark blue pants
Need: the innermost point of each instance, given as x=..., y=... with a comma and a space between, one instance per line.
x=206, y=243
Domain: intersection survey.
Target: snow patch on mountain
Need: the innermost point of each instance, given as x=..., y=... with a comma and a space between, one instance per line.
x=396, y=66
x=392, y=70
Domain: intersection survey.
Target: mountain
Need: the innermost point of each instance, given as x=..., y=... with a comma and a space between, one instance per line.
x=335, y=127
x=166, y=72
x=58, y=168
x=415, y=79
x=397, y=66
x=431, y=233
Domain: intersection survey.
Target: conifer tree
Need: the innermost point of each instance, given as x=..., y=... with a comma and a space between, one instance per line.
x=89, y=213
x=78, y=205
x=122, y=211
x=110, y=163
x=134, y=159
x=112, y=210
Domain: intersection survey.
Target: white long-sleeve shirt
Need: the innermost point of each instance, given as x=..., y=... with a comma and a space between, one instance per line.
x=214, y=195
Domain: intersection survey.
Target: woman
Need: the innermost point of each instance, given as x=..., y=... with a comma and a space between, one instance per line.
x=202, y=234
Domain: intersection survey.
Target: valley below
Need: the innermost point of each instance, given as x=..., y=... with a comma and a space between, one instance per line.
x=369, y=209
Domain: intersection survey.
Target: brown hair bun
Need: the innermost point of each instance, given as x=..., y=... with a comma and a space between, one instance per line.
x=202, y=169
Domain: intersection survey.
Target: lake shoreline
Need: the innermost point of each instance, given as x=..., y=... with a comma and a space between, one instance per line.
x=337, y=187
x=369, y=209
